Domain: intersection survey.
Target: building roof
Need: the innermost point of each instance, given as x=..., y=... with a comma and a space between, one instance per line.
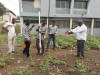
x=7, y=10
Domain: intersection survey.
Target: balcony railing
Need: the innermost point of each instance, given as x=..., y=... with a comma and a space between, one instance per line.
x=79, y=11
x=62, y=11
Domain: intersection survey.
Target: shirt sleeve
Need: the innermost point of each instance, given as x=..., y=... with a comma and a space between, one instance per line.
x=79, y=30
x=56, y=30
x=24, y=33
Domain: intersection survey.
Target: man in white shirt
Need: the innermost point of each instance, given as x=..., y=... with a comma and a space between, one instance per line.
x=42, y=30
x=81, y=35
x=52, y=30
x=26, y=34
x=10, y=28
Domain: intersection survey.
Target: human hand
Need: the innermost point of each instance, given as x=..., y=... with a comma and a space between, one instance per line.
x=33, y=25
x=67, y=32
x=54, y=33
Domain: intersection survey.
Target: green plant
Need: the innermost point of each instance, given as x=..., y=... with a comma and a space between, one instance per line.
x=9, y=59
x=24, y=72
x=2, y=65
x=50, y=73
x=45, y=66
x=1, y=24
x=59, y=62
x=19, y=41
x=69, y=42
x=71, y=70
x=32, y=64
x=80, y=67
x=93, y=73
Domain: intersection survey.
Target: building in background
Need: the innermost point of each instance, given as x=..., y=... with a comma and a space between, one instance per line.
x=8, y=15
x=64, y=12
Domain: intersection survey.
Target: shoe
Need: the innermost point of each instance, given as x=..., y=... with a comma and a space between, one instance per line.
x=81, y=57
x=28, y=55
x=46, y=50
x=13, y=51
x=42, y=54
x=24, y=53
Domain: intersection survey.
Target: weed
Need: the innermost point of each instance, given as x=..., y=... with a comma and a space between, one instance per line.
x=2, y=65
x=45, y=66
x=50, y=73
x=93, y=73
x=59, y=62
x=71, y=70
x=32, y=64
x=24, y=72
x=80, y=67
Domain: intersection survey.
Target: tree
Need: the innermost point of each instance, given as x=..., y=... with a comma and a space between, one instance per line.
x=2, y=9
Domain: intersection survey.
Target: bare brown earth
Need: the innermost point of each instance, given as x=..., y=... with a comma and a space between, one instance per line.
x=20, y=62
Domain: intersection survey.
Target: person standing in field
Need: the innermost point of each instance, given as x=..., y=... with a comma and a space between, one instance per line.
x=10, y=28
x=42, y=30
x=52, y=30
x=26, y=35
x=81, y=35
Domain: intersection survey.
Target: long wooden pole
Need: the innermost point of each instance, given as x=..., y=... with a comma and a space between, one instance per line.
x=39, y=30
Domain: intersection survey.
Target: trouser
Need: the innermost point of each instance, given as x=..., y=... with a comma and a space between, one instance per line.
x=51, y=36
x=38, y=46
x=26, y=49
x=11, y=43
x=80, y=47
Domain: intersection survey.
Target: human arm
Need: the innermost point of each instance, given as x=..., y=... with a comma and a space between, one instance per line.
x=31, y=27
x=5, y=27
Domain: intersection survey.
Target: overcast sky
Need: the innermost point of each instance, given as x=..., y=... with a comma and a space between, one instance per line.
x=13, y=5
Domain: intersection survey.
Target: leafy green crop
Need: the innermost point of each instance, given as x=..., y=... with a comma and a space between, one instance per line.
x=59, y=62
x=24, y=72
x=69, y=42
x=45, y=66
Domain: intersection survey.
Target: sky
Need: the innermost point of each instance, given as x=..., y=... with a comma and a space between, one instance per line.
x=12, y=5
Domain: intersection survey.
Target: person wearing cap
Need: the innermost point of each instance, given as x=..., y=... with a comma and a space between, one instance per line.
x=10, y=28
x=42, y=30
x=52, y=30
x=81, y=35
x=26, y=35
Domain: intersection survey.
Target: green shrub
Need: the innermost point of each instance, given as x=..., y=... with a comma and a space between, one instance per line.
x=1, y=24
x=69, y=42
x=45, y=65
x=19, y=41
x=71, y=70
x=2, y=65
x=24, y=72
x=80, y=67
x=18, y=29
x=59, y=62
x=64, y=42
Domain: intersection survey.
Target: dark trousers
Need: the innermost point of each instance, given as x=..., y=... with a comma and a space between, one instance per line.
x=51, y=36
x=26, y=49
x=80, y=47
x=38, y=47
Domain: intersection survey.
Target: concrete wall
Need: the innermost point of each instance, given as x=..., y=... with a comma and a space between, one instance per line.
x=92, y=11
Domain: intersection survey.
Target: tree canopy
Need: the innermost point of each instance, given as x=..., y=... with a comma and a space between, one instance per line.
x=2, y=9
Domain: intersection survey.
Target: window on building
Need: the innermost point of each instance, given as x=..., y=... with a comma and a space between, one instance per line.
x=63, y=3
x=81, y=4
